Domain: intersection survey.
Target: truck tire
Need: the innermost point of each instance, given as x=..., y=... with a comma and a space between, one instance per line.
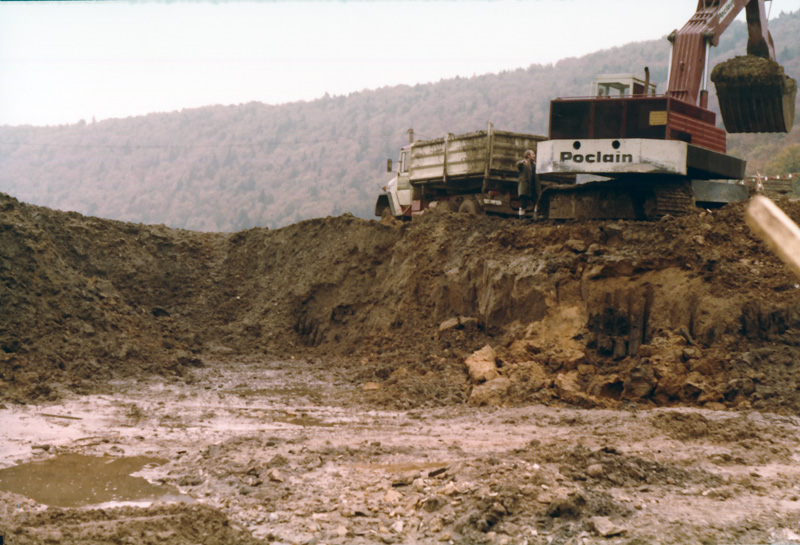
x=469, y=206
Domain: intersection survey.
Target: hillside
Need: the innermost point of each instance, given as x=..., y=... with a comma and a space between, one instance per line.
x=227, y=168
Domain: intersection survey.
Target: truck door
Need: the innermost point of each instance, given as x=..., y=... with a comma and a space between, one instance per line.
x=404, y=190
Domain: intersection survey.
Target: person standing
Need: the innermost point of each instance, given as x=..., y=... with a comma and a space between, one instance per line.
x=527, y=179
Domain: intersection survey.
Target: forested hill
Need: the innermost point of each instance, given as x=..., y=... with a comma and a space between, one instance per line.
x=226, y=168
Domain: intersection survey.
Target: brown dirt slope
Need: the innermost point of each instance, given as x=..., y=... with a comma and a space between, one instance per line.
x=689, y=310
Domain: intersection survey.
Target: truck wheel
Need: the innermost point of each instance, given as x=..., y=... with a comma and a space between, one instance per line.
x=468, y=207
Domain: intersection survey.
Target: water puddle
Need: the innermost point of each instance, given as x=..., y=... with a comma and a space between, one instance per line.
x=408, y=466
x=75, y=480
x=301, y=420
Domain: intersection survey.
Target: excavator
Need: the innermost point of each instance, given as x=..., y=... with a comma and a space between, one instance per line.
x=639, y=155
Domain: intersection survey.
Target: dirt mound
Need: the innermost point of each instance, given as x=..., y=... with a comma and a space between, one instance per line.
x=690, y=310
x=176, y=524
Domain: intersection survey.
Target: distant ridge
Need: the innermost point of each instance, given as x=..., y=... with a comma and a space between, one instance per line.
x=227, y=168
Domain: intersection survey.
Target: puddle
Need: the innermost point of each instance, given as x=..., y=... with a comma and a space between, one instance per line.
x=400, y=467
x=302, y=420
x=75, y=480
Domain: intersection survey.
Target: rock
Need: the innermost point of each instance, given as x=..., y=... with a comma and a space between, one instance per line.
x=595, y=470
x=449, y=489
x=406, y=478
x=275, y=475
x=277, y=461
x=604, y=527
x=569, y=390
x=482, y=366
x=190, y=480
x=398, y=526
x=577, y=246
x=691, y=353
x=159, y=312
x=571, y=359
x=450, y=323
x=392, y=497
x=458, y=322
x=431, y=504
x=370, y=386
x=495, y=513
x=567, y=505
x=639, y=383
x=490, y=393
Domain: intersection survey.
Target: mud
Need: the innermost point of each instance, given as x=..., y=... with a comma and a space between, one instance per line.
x=457, y=474
x=309, y=385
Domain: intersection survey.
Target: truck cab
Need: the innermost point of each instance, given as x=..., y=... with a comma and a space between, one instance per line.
x=398, y=193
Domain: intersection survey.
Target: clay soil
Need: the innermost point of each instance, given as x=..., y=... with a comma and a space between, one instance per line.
x=309, y=385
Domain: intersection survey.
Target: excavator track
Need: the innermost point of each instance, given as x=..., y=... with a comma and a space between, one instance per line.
x=755, y=95
x=617, y=200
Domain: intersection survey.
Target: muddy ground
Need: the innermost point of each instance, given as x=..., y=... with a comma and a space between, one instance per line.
x=634, y=382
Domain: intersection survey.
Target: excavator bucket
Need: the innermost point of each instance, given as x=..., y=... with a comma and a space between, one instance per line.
x=754, y=95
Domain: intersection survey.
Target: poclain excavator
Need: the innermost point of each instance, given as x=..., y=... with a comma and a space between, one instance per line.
x=649, y=149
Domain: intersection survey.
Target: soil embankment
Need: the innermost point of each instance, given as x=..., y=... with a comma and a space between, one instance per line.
x=690, y=310
x=324, y=383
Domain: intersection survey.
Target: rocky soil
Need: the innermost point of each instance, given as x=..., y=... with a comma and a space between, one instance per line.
x=343, y=380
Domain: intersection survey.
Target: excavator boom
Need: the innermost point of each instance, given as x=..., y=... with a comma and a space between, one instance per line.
x=754, y=93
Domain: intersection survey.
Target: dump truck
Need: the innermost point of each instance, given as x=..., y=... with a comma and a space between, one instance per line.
x=474, y=173
x=645, y=155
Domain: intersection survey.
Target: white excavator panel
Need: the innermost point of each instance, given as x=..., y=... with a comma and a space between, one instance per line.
x=612, y=156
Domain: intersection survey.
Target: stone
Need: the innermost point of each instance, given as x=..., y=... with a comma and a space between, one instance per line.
x=436, y=525
x=458, y=322
x=392, y=497
x=431, y=504
x=604, y=527
x=567, y=505
x=568, y=389
x=639, y=383
x=370, y=386
x=595, y=470
x=275, y=475
x=482, y=366
x=407, y=478
x=570, y=358
x=577, y=246
x=398, y=526
x=491, y=393
x=278, y=461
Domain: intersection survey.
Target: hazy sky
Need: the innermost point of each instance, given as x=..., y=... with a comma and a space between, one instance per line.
x=65, y=61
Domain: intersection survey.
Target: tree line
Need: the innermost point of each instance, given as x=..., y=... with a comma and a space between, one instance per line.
x=227, y=168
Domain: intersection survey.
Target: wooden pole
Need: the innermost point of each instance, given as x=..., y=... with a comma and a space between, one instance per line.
x=780, y=233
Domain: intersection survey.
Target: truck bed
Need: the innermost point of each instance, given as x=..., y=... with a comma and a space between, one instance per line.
x=468, y=161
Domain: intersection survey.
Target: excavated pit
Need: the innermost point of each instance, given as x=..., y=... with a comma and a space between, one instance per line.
x=755, y=95
x=682, y=311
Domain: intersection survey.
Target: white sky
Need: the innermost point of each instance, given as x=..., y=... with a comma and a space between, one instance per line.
x=65, y=61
